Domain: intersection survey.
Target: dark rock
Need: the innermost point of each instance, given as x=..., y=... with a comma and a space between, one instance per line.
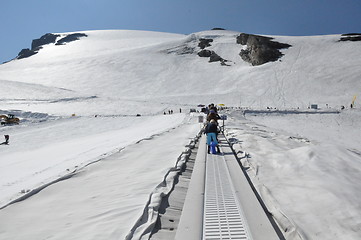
x=215, y=57
x=223, y=63
x=26, y=52
x=203, y=43
x=36, y=45
x=242, y=39
x=260, y=49
x=43, y=40
x=246, y=55
x=70, y=38
x=48, y=38
x=351, y=37
x=218, y=28
x=205, y=53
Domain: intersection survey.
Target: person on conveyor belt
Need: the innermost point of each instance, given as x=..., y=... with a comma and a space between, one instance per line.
x=211, y=130
x=213, y=107
x=213, y=115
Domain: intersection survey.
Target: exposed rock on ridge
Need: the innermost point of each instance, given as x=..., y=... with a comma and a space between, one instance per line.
x=43, y=40
x=204, y=42
x=48, y=38
x=70, y=38
x=260, y=49
x=351, y=37
x=213, y=57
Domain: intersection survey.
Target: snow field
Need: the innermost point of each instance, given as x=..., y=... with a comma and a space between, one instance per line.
x=306, y=166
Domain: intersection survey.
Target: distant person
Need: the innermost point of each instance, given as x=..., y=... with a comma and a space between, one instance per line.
x=206, y=110
x=213, y=107
x=6, y=140
x=211, y=131
x=180, y=110
x=213, y=115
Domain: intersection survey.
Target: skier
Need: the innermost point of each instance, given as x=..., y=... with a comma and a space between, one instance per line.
x=211, y=131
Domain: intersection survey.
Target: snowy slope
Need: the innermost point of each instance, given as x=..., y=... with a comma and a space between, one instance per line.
x=314, y=70
x=306, y=167
x=107, y=78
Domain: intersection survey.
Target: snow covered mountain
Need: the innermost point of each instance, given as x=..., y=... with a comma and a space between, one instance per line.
x=88, y=166
x=126, y=66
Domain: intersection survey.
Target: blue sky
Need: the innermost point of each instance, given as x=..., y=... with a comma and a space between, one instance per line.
x=21, y=21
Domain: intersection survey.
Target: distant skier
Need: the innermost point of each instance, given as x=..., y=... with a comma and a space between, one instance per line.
x=6, y=140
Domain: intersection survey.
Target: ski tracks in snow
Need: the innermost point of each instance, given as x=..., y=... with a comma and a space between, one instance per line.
x=281, y=76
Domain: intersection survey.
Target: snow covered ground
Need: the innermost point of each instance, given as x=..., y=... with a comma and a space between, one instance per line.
x=306, y=168
x=115, y=164
x=80, y=138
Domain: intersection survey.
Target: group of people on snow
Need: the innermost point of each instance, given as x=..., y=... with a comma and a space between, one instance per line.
x=211, y=128
x=170, y=111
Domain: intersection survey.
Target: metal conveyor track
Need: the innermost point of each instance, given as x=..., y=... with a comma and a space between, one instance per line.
x=223, y=217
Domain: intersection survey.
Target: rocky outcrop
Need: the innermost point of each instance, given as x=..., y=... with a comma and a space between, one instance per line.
x=204, y=42
x=48, y=38
x=205, y=53
x=354, y=37
x=43, y=40
x=213, y=57
x=26, y=52
x=70, y=38
x=36, y=45
x=260, y=49
x=216, y=58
